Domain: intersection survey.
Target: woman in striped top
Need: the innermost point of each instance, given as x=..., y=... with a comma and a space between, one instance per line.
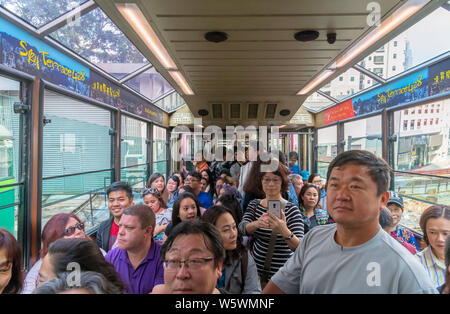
x=259, y=222
x=435, y=224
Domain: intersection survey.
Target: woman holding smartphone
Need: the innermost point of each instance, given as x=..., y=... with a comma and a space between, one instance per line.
x=260, y=222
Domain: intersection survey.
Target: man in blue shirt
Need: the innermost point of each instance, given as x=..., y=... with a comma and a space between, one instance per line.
x=193, y=180
x=293, y=158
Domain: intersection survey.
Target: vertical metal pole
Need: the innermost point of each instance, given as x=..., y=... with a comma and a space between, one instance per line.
x=118, y=146
x=34, y=182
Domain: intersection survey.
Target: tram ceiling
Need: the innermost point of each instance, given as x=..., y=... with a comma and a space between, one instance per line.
x=260, y=62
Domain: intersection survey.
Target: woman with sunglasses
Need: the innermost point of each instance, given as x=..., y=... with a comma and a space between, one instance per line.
x=163, y=215
x=63, y=225
x=157, y=181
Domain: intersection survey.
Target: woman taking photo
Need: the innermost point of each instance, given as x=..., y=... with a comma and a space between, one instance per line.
x=260, y=223
x=239, y=273
x=308, y=199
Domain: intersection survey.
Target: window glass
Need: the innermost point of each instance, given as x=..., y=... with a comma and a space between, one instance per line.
x=159, y=150
x=76, y=140
x=423, y=148
x=349, y=83
x=171, y=102
x=150, y=84
x=364, y=134
x=10, y=141
x=134, y=151
x=40, y=12
x=413, y=46
x=102, y=43
x=327, y=148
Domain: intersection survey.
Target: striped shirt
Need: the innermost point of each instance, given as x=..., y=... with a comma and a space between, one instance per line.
x=434, y=267
x=281, y=252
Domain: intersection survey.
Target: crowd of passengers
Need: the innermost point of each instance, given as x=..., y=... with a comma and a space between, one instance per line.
x=210, y=231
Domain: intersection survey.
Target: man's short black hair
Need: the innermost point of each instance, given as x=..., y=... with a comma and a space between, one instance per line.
x=120, y=186
x=212, y=237
x=194, y=174
x=379, y=170
x=292, y=155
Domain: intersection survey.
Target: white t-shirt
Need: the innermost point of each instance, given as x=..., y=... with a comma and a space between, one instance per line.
x=380, y=265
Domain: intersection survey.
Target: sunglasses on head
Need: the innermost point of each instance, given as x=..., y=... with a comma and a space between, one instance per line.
x=151, y=191
x=71, y=230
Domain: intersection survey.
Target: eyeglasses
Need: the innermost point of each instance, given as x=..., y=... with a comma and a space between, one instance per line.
x=268, y=180
x=191, y=180
x=71, y=230
x=172, y=265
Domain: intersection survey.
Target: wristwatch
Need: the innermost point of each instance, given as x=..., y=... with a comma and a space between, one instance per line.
x=290, y=236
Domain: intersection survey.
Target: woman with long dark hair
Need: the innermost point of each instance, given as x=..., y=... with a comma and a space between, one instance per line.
x=186, y=207
x=308, y=200
x=239, y=273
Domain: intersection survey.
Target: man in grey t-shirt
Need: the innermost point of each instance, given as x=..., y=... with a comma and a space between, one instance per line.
x=355, y=255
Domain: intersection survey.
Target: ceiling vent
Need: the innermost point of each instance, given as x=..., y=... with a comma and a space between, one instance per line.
x=235, y=111
x=270, y=111
x=252, y=111
x=217, y=111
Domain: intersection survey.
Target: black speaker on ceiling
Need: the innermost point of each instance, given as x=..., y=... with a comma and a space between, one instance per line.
x=203, y=112
x=285, y=112
x=216, y=37
x=308, y=35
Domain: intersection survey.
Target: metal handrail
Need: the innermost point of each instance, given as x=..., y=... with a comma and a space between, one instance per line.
x=146, y=164
x=76, y=174
x=421, y=174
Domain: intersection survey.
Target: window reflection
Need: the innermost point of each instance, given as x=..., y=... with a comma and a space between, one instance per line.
x=423, y=147
x=364, y=134
x=327, y=148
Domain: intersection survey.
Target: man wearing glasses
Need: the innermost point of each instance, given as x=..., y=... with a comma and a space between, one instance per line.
x=120, y=197
x=192, y=256
x=193, y=179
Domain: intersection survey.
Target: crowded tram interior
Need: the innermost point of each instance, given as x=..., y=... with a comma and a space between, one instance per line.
x=224, y=147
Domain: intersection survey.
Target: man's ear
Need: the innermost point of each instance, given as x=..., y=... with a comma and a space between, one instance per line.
x=384, y=200
x=219, y=269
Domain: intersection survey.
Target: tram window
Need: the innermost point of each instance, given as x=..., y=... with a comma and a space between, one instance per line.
x=10, y=131
x=134, y=152
x=76, y=165
x=364, y=134
x=327, y=148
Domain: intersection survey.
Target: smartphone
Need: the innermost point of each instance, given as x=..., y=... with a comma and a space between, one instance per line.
x=275, y=208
